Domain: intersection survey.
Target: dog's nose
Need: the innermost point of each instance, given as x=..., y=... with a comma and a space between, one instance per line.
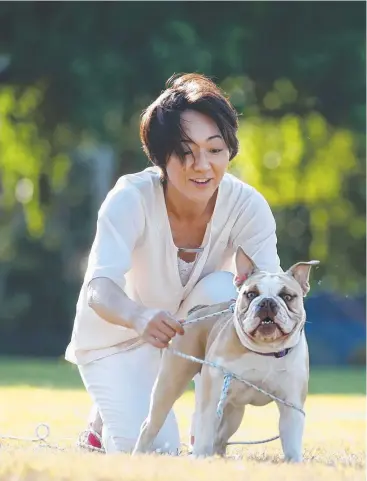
x=269, y=304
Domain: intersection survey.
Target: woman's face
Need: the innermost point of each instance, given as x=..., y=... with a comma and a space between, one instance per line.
x=206, y=159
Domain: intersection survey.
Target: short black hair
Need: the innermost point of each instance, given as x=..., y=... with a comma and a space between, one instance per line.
x=161, y=132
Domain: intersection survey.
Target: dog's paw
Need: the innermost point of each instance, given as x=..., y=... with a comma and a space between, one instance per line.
x=294, y=459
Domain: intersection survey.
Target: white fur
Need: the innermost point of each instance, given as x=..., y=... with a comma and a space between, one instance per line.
x=285, y=377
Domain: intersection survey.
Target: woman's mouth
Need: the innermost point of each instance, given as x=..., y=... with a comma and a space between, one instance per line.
x=200, y=182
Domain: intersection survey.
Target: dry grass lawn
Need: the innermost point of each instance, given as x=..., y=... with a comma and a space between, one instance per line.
x=334, y=443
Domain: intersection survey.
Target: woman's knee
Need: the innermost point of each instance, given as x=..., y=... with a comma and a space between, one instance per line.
x=120, y=385
x=212, y=289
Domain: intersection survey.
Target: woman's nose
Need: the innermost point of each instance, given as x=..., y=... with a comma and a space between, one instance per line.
x=201, y=162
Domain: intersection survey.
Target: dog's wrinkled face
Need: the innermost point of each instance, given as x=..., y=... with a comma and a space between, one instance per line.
x=270, y=306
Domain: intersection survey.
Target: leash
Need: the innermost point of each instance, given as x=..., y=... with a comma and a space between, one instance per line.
x=42, y=432
x=228, y=377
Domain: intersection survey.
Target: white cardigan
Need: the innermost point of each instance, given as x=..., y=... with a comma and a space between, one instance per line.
x=134, y=248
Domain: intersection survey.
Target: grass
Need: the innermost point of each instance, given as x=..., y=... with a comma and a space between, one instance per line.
x=34, y=392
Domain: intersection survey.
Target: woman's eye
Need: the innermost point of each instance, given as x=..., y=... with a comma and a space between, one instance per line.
x=216, y=151
x=187, y=152
x=251, y=295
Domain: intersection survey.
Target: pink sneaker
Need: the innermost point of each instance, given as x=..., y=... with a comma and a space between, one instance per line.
x=90, y=440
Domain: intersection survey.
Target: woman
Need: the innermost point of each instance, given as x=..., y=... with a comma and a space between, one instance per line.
x=164, y=243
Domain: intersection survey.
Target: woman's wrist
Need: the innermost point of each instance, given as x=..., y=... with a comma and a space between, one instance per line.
x=112, y=304
x=141, y=318
x=138, y=318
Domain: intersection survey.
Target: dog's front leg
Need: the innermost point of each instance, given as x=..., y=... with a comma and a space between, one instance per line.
x=208, y=420
x=174, y=375
x=291, y=426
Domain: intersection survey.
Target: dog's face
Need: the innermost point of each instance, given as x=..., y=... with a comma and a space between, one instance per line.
x=270, y=306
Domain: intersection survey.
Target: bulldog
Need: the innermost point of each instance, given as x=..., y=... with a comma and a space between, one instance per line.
x=262, y=341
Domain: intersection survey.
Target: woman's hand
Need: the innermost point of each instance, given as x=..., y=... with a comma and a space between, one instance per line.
x=157, y=327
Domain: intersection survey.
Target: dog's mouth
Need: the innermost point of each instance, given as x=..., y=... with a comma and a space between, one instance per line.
x=267, y=327
x=266, y=322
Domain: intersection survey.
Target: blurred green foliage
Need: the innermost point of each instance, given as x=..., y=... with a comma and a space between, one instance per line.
x=74, y=77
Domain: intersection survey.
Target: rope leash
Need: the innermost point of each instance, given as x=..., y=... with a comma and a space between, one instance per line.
x=218, y=313
x=226, y=385
x=41, y=438
x=225, y=372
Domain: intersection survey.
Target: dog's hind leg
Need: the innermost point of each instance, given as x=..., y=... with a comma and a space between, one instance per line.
x=174, y=375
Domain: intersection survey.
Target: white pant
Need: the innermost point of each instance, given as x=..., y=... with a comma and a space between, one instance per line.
x=120, y=385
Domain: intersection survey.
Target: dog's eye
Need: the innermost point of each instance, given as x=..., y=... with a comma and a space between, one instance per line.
x=251, y=295
x=287, y=297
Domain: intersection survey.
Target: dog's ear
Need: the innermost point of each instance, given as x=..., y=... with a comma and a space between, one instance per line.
x=301, y=272
x=245, y=267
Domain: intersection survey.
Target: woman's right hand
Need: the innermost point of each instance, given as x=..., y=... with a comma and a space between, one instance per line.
x=157, y=327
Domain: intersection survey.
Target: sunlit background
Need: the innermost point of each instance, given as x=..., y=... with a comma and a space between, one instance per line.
x=74, y=78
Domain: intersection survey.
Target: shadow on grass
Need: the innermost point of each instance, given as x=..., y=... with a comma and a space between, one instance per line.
x=59, y=374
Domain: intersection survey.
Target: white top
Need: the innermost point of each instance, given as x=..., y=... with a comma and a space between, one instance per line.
x=134, y=248
x=184, y=269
